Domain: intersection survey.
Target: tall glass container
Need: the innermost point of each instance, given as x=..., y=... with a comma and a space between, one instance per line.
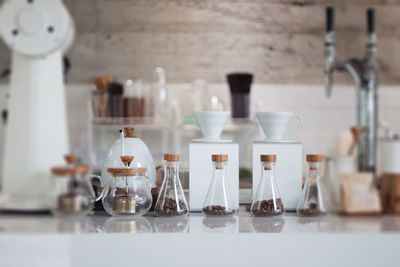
x=219, y=200
x=268, y=200
x=171, y=199
x=311, y=202
x=134, y=103
x=159, y=89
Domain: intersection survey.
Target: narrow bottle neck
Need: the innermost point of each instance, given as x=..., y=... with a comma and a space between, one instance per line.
x=268, y=170
x=314, y=170
x=219, y=170
x=172, y=168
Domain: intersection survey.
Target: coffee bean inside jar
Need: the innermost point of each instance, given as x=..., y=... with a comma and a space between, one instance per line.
x=218, y=211
x=171, y=200
x=267, y=201
x=268, y=207
x=220, y=201
x=171, y=207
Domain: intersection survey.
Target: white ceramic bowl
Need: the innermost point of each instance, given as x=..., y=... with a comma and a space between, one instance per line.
x=275, y=124
x=211, y=123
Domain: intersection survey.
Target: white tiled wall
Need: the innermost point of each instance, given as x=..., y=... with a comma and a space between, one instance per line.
x=325, y=119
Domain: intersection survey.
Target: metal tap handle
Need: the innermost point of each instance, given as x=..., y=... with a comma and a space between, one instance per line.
x=329, y=50
x=370, y=20
x=330, y=15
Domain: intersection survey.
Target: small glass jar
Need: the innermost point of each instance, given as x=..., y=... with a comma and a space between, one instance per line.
x=171, y=199
x=219, y=200
x=268, y=201
x=73, y=194
x=311, y=202
x=128, y=192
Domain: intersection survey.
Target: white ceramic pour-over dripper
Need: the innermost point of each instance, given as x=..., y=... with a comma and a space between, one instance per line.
x=211, y=124
x=275, y=124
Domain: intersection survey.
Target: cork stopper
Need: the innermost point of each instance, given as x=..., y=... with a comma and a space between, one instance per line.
x=268, y=158
x=126, y=160
x=356, y=132
x=71, y=158
x=126, y=171
x=172, y=157
x=220, y=158
x=70, y=170
x=314, y=158
x=129, y=132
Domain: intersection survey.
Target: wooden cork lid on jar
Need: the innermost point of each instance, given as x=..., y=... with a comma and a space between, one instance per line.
x=129, y=132
x=126, y=171
x=70, y=169
x=172, y=157
x=220, y=157
x=314, y=158
x=268, y=158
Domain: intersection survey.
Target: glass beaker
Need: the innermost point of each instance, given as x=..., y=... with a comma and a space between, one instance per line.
x=219, y=200
x=171, y=199
x=268, y=201
x=311, y=202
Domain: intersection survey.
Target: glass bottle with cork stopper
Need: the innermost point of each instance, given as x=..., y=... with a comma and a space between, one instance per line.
x=171, y=199
x=311, y=202
x=219, y=200
x=128, y=193
x=73, y=194
x=268, y=200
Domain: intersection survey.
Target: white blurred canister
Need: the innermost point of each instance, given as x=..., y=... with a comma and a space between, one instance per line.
x=390, y=155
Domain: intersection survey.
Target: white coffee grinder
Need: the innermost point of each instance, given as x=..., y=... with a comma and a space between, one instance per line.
x=37, y=32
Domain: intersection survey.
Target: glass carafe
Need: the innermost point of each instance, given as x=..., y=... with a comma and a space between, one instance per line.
x=128, y=192
x=171, y=199
x=268, y=200
x=219, y=200
x=311, y=202
x=72, y=191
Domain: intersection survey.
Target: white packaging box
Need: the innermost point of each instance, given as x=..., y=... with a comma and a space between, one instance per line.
x=288, y=171
x=201, y=171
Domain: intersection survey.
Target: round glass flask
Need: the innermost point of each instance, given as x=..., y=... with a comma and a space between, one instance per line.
x=72, y=190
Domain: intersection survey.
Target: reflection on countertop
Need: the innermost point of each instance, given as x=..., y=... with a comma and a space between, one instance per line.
x=198, y=223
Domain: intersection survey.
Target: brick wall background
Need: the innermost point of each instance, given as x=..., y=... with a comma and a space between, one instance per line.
x=280, y=41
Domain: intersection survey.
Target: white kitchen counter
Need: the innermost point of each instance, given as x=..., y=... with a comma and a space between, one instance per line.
x=100, y=240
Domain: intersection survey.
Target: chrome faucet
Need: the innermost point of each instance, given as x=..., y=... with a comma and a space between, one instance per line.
x=365, y=77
